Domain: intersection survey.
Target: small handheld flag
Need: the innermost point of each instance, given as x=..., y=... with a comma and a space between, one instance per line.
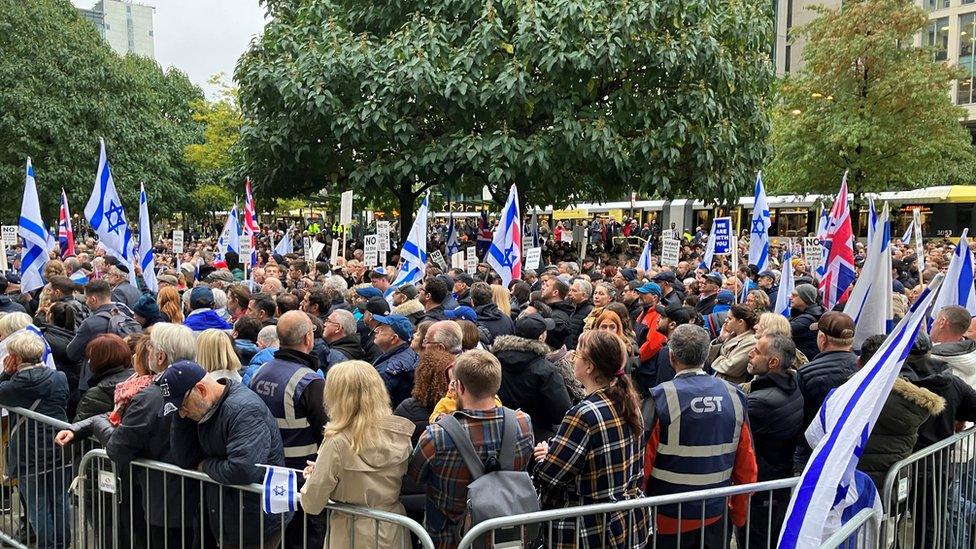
x=250, y=222
x=414, y=251
x=644, y=262
x=452, y=238
x=958, y=286
x=786, y=285
x=230, y=237
x=759, y=231
x=839, y=271
x=870, y=301
x=280, y=491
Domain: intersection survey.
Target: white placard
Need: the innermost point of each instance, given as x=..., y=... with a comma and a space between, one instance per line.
x=334, y=253
x=383, y=232
x=438, y=258
x=472, y=265
x=471, y=253
x=245, y=246
x=177, y=242
x=670, y=251
x=812, y=252
x=345, y=209
x=457, y=260
x=667, y=233
x=381, y=258
x=566, y=236
x=317, y=248
x=307, y=247
x=532, y=258
x=370, y=252
x=9, y=235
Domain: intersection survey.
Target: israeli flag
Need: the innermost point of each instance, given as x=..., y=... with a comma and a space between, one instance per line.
x=413, y=255
x=285, y=246
x=759, y=231
x=786, y=285
x=230, y=237
x=840, y=432
x=106, y=215
x=280, y=492
x=505, y=253
x=452, y=239
x=958, y=287
x=872, y=221
x=822, y=235
x=870, y=301
x=147, y=259
x=644, y=262
x=709, y=252
x=37, y=242
x=906, y=238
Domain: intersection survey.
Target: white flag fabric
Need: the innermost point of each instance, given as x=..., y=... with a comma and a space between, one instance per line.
x=872, y=221
x=280, y=493
x=147, y=259
x=36, y=240
x=787, y=284
x=840, y=432
x=919, y=248
x=709, y=251
x=285, y=246
x=106, y=215
x=644, y=263
x=413, y=255
x=505, y=253
x=870, y=301
x=906, y=238
x=958, y=286
x=230, y=237
x=759, y=231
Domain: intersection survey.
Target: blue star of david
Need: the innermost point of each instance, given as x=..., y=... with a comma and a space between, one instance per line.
x=114, y=209
x=279, y=490
x=509, y=256
x=758, y=227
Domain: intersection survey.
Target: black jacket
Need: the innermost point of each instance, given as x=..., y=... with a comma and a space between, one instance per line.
x=930, y=373
x=706, y=304
x=561, y=312
x=92, y=326
x=435, y=314
x=805, y=338
x=59, y=339
x=345, y=348
x=827, y=371
x=651, y=373
x=495, y=322
x=100, y=398
x=416, y=412
x=775, y=419
x=576, y=322
x=464, y=299
x=8, y=305
x=531, y=383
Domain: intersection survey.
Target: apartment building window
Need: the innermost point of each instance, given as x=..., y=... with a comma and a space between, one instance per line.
x=937, y=36
x=967, y=39
x=932, y=5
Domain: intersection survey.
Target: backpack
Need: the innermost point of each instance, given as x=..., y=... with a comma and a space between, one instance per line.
x=120, y=324
x=497, y=489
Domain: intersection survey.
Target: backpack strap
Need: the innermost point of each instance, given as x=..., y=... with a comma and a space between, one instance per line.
x=506, y=457
x=462, y=441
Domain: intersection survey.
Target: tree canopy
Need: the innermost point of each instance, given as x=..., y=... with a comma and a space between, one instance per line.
x=570, y=99
x=869, y=102
x=62, y=87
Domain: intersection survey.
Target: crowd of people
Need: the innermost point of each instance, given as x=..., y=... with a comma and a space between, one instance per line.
x=620, y=383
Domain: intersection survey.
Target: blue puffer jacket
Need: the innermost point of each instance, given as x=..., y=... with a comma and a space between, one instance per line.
x=262, y=356
x=396, y=367
x=46, y=392
x=200, y=321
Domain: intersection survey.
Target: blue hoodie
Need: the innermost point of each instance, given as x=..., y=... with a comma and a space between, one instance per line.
x=199, y=321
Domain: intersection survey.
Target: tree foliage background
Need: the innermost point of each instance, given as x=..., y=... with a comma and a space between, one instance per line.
x=869, y=102
x=61, y=88
x=570, y=99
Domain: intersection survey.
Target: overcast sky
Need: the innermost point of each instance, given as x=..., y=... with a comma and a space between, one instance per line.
x=202, y=37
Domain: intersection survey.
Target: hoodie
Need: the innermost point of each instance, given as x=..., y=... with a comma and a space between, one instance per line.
x=531, y=383
x=961, y=356
x=203, y=319
x=495, y=322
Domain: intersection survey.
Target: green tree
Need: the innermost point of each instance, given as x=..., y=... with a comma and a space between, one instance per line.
x=569, y=99
x=211, y=198
x=217, y=159
x=62, y=87
x=868, y=102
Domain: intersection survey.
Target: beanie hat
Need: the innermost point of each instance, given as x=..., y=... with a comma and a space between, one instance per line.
x=146, y=307
x=807, y=293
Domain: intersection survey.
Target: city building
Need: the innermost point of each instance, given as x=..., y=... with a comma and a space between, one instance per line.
x=127, y=27
x=951, y=30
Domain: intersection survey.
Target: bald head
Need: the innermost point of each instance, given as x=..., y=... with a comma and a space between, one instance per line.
x=295, y=331
x=445, y=333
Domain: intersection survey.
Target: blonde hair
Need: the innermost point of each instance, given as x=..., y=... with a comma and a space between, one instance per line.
x=29, y=347
x=54, y=267
x=774, y=323
x=12, y=322
x=215, y=351
x=357, y=401
x=501, y=297
x=169, y=303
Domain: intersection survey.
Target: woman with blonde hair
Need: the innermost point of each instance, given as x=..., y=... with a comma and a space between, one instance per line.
x=215, y=353
x=758, y=301
x=502, y=298
x=12, y=322
x=775, y=323
x=169, y=303
x=362, y=459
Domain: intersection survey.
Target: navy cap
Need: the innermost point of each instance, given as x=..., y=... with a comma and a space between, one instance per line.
x=533, y=325
x=13, y=277
x=462, y=313
x=768, y=274
x=400, y=324
x=369, y=291
x=201, y=297
x=375, y=305
x=714, y=278
x=665, y=276
x=628, y=274
x=650, y=288
x=725, y=297
x=176, y=381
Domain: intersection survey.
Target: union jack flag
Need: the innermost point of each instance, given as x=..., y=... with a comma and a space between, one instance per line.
x=66, y=237
x=839, y=240
x=250, y=220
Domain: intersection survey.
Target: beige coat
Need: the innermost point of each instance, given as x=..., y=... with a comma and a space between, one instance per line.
x=370, y=478
x=730, y=359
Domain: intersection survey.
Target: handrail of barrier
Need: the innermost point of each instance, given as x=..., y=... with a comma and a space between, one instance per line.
x=852, y=526
x=896, y=469
x=31, y=414
x=487, y=526
x=400, y=520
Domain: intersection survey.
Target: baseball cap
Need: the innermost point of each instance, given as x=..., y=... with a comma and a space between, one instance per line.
x=650, y=288
x=408, y=290
x=835, y=324
x=13, y=278
x=665, y=276
x=168, y=279
x=201, y=297
x=768, y=274
x=714, y=278
x=368, y=292
x=725, y=297
x=375, y=305
x=533, y=325
x=176, y=381
x=628, y=274
x=462, y=313
x=399, y=323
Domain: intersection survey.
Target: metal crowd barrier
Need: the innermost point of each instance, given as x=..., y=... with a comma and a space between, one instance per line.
x=861, y=530
x=930, y=497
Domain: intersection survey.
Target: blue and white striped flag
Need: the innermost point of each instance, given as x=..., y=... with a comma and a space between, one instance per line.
x=786, y=285
x=280, y=492
x=759, y=231
x=413, y=256
x=906, y=238
x=840, y=432
x=706, y=262
x=958, y=286
x=872, y=221
x=106, y=215
x=822, y=235
x=147, y=259
x=644, y=263
x=452, y=238
x=505, y=253
x=870, y=301
x=285, y=246
x=37, y=241
x=230, y=237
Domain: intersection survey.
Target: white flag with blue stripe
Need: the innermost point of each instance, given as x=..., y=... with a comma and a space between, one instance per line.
x=230, y=237
x=280, y=492
x=958, y=286
x=106, y=215
x=870, y=301
x=906, y=238
x=413, y=255
x=840, y=433
x=822, y=235
x=709, y=251
x=37, y=242
x=759, y=231
x=505, y=253
x=872, y=221
x=786, y=285
x=147, y=259
x=285, y=246
x=644, y=263
x=452, y=239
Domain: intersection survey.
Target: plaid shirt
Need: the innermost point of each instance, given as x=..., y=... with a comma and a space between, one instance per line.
x=594, y=458
x=437, y=463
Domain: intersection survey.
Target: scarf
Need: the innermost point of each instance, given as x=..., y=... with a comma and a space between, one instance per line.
x=124, y=392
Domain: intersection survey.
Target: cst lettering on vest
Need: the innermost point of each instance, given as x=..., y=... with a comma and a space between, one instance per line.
x=267, y=388
x=705, y=405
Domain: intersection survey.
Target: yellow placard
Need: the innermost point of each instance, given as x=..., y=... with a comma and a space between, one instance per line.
x=569, y=214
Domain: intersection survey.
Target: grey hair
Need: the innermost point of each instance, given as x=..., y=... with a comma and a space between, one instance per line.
x=220, y=298
x=337, y=283
x=783, y=348
x=689, y=345
x=27, y=346
x=447, y=333
x=573, y=267
x=584, y=286
x=115, y=270
x=268, y=336
x=175, y=340
x=346, y=321
x=611, y=291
